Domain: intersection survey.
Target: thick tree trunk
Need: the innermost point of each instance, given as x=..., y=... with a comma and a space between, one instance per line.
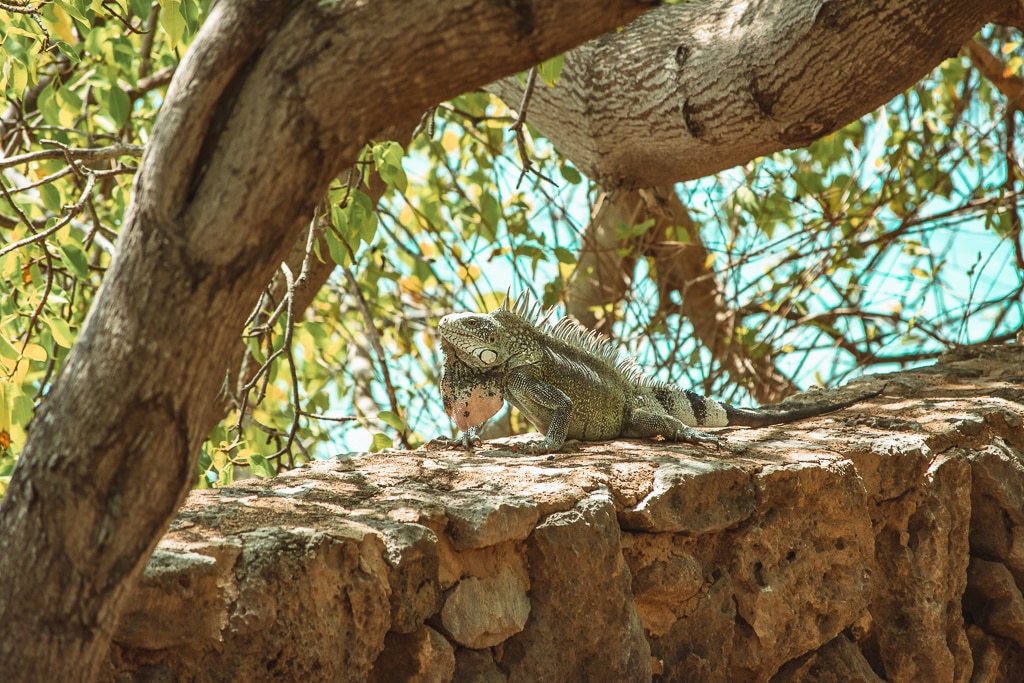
x=689, y=90
x=271, y=101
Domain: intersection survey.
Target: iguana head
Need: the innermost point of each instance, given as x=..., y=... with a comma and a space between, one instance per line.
x=479, y=339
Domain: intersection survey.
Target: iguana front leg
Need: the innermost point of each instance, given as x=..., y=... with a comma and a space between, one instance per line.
x=545, y=406
x=469, y=438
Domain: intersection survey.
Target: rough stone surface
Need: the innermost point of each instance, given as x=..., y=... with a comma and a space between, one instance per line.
x=477, y=666
x=993, y=600
x=480, y=613
x=421, y=657
x=838, y=661
x=583, y=624
x=882, y=543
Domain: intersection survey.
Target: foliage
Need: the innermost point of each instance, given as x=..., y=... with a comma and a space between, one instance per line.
x=877, y=246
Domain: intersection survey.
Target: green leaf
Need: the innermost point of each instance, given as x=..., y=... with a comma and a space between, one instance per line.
x=387, y=157
x=76, y=260
x=565, y=256
x=391, y=419
x=570, y=174
x=260, y=466
x=118, y=104
x=172, y=21
x=7, y=350
x=51, y=197
x=77, y=9
x=61, y=332
x=48, y=106
x=491, y=217
x=338, y=250
x=550, y=70
x=22, y=410
x=362, y=220
x=380, y=442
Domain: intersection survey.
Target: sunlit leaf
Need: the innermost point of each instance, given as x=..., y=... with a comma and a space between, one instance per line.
x=551, y=70
x=380, y=442
x=391, y=419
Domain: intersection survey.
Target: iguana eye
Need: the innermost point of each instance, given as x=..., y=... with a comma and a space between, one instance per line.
x=471, y=323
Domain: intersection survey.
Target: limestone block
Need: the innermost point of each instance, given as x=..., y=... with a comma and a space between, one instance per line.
x=583, y=623
x=298, y=604
x=481, y=612
x=477, y=519
x=996, y=660
x=997, y=506
x=921, y=554
x=838, y=661
x=693, y=497
x=413, y=558
x=800, y=566
x=664, y=589
x=184, y=587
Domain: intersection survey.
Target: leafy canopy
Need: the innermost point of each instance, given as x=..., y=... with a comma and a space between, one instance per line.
x=876, y=247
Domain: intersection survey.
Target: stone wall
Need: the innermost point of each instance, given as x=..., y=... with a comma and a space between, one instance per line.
x=882, y=543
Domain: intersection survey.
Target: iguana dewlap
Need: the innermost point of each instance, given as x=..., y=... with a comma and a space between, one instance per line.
x=571, y=383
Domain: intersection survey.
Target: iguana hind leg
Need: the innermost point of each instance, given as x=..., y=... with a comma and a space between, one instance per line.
x=645, y=422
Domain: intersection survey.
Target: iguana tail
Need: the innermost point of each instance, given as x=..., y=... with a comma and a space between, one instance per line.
x=699, y=411
x=764, y=417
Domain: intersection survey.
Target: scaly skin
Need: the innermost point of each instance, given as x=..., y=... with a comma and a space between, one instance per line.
x=571, y=384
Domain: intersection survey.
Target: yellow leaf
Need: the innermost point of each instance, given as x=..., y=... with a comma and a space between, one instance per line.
x=451, y=141
x=917, y=272
x=63, y=26
x=35, y=352
x=411, y=285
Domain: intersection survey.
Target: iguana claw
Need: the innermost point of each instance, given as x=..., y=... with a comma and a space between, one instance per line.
x=466, y=442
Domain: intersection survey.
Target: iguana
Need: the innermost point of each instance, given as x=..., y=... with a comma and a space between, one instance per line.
x=571, y=383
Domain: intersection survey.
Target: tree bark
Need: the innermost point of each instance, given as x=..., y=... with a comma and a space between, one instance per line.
x=271, y=101
x=689, y=90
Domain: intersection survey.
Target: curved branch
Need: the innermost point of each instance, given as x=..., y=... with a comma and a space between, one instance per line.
x=689, y=90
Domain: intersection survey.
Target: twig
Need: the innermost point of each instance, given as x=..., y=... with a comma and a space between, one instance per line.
x=289, y=326
x=517, y=128
x=72, y=211
x=32, y=12
x=328, y=418
x=21, y=213
x=374, y=338
x=88, y=155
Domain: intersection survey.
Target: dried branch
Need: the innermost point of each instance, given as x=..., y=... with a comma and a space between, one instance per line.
x=517, y=128
x=86, y=155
